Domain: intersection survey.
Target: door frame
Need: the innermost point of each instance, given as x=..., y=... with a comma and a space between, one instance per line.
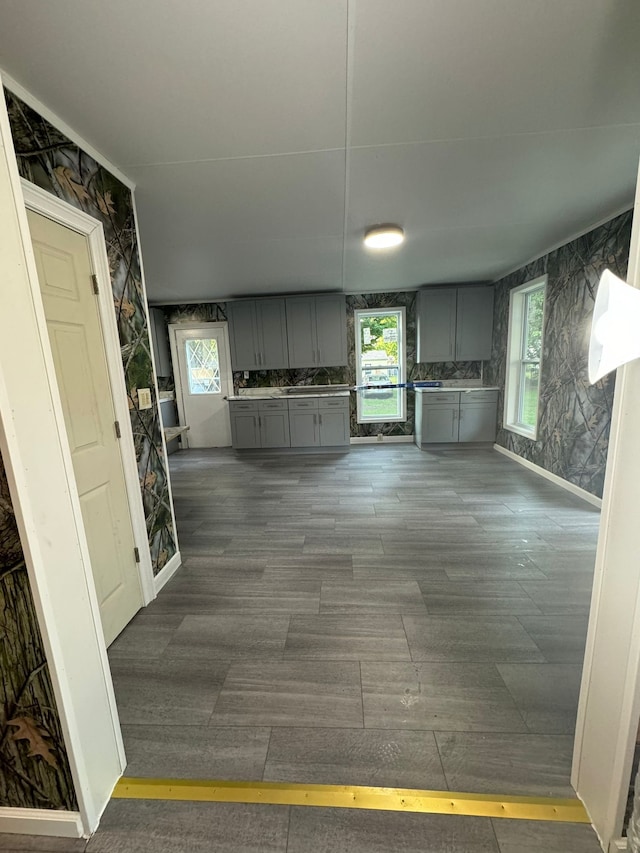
x=59, y=211
x=223, y=325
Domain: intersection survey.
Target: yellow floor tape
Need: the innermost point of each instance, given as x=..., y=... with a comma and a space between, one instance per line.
x=353, y=797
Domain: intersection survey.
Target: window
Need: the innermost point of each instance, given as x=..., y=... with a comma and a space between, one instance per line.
x=380, y=362
x=524, y=354
x=203, y=367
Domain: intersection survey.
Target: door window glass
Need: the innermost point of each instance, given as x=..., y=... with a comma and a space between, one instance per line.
x=203, y=366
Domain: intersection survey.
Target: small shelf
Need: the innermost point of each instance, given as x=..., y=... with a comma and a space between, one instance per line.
x=173, y=432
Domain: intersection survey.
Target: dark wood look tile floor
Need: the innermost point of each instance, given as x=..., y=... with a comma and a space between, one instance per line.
x=383, y=617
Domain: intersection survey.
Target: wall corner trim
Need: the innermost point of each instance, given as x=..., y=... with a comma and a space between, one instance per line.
x=167, y=572
x=61, y=824
x=554, y=478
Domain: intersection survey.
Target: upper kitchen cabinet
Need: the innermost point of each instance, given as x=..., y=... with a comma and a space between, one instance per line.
x=258, y=334
x=454, y=324
x=160, y=342
x=317, y=330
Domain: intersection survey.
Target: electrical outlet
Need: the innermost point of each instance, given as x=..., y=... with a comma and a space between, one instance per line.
x=144, y=398
x=380, y=436
x=246, y=374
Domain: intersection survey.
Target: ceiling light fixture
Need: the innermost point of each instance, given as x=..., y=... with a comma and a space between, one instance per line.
x=383, y=236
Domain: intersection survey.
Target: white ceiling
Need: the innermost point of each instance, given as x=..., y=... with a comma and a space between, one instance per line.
x=264, y=136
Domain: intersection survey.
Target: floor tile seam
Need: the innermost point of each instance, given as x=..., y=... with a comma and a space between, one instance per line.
x=513, y=698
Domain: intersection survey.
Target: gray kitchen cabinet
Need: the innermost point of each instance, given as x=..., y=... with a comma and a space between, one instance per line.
x=454, y=416
x=474, y=323
x=436, y=324
x=334, y=425
x=258, y=334
x=273, y=422
x=160, y=342
x=317, y=330
x=259, y=423
x=477, y=422
x=245, y=430
x=319, y=422
x=454, y=324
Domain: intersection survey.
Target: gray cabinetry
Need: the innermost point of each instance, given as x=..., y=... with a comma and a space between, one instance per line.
x=319, y=422
x=477, y=421
x=454, y=416
x=474, y=323
x=160, y=342
x=454, y=324
x=259, y=423
x=258, y=334
x=317, y=331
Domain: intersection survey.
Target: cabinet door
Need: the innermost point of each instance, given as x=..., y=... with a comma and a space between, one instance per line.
x=274, y=429
x=301, y=331
x=271, y=324
x=303, y=424
x=331, y=330
x=436, y=324
x=474, y=323
x=242, y=335
x=245, y=433
x=439, y=424
x=478, y=422
x=334, y=427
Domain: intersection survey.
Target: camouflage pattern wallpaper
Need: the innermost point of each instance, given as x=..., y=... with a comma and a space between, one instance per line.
x=212, y=311
x=574, y=417
x=50, y=160
x=34, y=769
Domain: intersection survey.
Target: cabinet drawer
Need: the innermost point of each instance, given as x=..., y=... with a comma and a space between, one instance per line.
x=307, y=403
x=478, y=397
x=269, y=405
x=333, y=403
x=441, y=398
x=243, y=406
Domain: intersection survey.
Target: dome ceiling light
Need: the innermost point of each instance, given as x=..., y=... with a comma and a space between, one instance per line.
x=383, y=236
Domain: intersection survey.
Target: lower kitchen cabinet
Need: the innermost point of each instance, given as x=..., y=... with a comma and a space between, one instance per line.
x=259, y=423
x=455, y=416
x=319, y=422
x=303, y=422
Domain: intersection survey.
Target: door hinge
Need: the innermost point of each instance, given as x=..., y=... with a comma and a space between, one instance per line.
x=117, y=426
x=136, y=554
x=94, y=282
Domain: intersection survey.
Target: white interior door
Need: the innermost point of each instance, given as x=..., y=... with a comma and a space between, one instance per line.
x=203, y=380
x=64, y=269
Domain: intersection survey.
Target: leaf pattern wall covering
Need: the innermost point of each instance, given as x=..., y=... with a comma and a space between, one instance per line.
x=574, y=417
x=49, y=159
x=212, y=311
x=34, y=769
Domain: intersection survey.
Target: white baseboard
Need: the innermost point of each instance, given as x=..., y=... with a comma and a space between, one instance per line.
x=542, y=472
x=41, y=822
x=384, y=439
x=167, y=571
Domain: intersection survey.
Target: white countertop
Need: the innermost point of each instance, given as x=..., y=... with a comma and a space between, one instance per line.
x=315, y=391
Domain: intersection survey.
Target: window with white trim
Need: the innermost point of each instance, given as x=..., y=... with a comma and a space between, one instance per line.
x=524, y=357
x=380, y=363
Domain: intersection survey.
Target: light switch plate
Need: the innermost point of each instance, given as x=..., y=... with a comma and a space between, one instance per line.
x=144, y=398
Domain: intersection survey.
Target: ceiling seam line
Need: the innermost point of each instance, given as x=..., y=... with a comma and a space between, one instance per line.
x=350, y=35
